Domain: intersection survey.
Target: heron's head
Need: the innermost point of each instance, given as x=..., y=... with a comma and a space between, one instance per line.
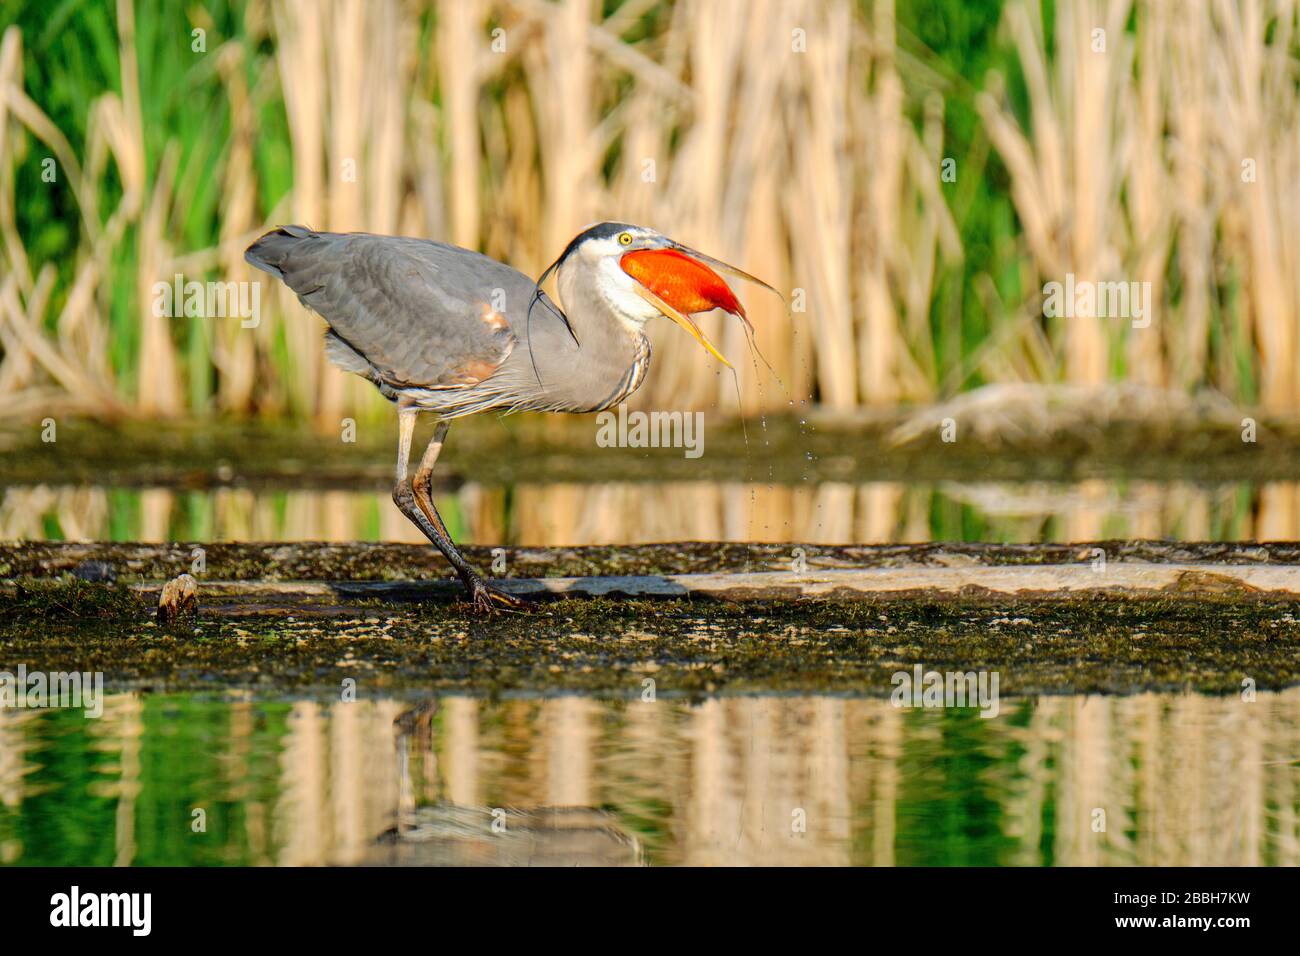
x=638, y=274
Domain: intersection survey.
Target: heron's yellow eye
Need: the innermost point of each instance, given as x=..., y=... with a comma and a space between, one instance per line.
x=625, y=238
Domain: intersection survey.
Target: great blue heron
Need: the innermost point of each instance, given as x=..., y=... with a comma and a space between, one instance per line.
x=445, y=330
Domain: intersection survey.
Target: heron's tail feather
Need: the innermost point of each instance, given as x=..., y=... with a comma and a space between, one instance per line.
x=270, y=251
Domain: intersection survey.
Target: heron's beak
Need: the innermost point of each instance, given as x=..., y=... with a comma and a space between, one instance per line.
x=682, y=319
x=678, y=282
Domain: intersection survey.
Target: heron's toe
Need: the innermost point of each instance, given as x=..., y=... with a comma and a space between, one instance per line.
x=487, y=601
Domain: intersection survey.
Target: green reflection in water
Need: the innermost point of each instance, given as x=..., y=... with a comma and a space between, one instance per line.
x=1180, y=779
x=639, y=512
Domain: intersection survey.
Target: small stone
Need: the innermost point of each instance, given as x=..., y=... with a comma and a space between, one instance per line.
x=180, y=596
x=100, y=572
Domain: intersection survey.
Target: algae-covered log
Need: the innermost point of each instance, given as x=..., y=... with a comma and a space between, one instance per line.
x=685, y=647
x=845, y=624
x=971, y=584
x=363, y=561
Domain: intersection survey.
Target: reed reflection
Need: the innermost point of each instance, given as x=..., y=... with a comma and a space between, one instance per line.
x=541, y=515
x=1174, y=780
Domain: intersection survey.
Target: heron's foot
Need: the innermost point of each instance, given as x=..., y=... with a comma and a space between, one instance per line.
x=487, y=600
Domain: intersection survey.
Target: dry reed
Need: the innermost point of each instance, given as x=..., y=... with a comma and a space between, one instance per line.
x=776, y=134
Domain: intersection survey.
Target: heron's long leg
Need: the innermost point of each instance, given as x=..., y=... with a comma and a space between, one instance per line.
x=423, y=485
x=405, y=500
x=417, y=505
x=482, y=594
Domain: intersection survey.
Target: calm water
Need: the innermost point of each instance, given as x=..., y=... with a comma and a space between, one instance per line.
x=542, y=515
x=742, y=780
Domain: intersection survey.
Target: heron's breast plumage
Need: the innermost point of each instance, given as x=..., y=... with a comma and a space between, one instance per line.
x=633, y=377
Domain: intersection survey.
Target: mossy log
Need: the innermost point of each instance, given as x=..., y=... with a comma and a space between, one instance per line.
x=362, y=561
x=696, y=618
x=974, y=584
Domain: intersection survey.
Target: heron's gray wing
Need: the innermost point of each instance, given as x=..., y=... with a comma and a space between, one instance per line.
x=420, y=313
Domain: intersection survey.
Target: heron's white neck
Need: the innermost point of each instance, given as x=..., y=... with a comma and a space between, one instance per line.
x=609, y=359
x=599, y=290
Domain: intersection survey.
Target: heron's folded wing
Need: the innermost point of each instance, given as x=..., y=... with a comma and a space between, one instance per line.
x=420, y=313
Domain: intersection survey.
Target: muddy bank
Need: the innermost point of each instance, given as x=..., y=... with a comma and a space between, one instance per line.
x=688, y=648
x=304, y=617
